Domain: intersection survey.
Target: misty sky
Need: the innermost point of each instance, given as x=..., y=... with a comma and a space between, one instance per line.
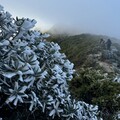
x=88, y=16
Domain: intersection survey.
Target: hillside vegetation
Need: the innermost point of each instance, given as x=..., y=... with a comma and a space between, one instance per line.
x=77, y=47
x=98, y=70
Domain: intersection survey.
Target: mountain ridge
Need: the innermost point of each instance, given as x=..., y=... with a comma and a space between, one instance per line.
x=77, y=47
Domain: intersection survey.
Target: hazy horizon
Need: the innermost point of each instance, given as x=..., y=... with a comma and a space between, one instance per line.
x=83, y=16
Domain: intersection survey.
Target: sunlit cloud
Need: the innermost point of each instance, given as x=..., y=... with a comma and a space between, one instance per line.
x=88, y=16
x=43, y=26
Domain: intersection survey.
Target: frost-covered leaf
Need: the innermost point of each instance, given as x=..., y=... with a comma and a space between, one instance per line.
x=34, y=101
x=10, y=99
x=52, y=113
x=9, y=74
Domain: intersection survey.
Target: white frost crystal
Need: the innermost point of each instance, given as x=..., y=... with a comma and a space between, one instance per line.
x=34, y=72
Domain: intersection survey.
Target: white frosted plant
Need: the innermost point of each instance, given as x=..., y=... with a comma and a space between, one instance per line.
x=34, y=72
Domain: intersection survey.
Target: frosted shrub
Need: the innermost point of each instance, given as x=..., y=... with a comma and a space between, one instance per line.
x=35, y=73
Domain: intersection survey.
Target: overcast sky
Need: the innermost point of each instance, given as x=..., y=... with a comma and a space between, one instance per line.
x=88, y=16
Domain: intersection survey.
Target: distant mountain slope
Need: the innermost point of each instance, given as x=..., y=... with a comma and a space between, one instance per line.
x=78, y=47
x=97, y=68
